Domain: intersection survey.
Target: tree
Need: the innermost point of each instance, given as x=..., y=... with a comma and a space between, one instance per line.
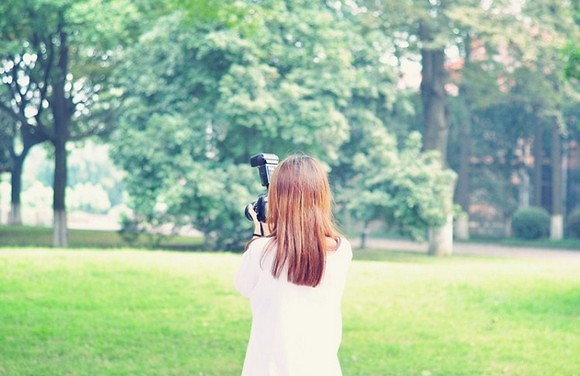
x=21, y=102
x=264, y=84
x=530, y=47
x=425, y=29
x=56, y=63
x=404, y=187
x=218, y=93
x=26, y=89
x=370, y=172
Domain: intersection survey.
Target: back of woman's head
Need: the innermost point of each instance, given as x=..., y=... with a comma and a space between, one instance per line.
x=300, y=218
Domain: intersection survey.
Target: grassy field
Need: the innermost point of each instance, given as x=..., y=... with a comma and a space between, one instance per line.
x=138, y=312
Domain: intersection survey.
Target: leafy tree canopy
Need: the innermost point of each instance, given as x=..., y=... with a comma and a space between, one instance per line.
x=202, y=97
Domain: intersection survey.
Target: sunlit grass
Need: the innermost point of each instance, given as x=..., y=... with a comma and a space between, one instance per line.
x=128, y=312
x=463, y=316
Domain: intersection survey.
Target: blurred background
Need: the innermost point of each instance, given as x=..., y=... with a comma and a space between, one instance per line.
x=437, y=120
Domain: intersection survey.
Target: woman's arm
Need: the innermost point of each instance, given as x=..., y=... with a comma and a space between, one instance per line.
x=248, y=273
x=260, y=228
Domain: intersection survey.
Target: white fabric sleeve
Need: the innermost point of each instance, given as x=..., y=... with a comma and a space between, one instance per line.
x=249, y=270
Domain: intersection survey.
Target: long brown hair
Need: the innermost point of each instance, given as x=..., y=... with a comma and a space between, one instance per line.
x=300, y=219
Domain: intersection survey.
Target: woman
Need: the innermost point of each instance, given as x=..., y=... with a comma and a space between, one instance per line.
x=294, y=276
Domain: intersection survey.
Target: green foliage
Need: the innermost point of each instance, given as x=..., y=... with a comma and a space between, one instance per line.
x=574, y=223
x=491, y=188
x=200, y=100
x=531, y=223
x=207, y=98
x=213, y=198
x=572, y=61
x=170, y=181
x=406, y=188
x=94, y=32
x=511, y=83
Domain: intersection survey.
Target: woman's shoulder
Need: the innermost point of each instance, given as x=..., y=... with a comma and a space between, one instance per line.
x=258, y=244
x=341, y=246
x=345, y=244
x=344, y=240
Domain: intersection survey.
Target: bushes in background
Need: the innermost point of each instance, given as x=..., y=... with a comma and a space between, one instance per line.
x=531, y=223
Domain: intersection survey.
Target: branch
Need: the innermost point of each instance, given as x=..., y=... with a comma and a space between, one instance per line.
x=98, y=129
x=93, y=131
x=10, y=112
x=33, y=135
x=14, y=84
x=20, y=115
x=47, y=70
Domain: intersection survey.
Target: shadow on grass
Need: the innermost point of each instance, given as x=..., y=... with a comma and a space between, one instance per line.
x=414, y=257
x=30, y=236
x=572, y=244
x=369, y=254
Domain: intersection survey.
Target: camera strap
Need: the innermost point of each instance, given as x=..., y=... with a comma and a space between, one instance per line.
x=261, y=231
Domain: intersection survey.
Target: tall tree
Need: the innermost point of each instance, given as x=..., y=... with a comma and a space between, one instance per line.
x=436, y=124
x=22, y=101
x=381, y=173
x=426, y=31
x=56, y=57
x=21, y=136
x=220, y=91
x=255, y=77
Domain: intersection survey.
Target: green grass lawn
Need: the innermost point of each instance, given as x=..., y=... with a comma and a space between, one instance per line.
x=137, y=312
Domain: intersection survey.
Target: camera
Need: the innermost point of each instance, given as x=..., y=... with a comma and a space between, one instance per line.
x=266, y=164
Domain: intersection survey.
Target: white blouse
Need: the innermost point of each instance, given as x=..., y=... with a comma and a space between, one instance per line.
x=296, y=330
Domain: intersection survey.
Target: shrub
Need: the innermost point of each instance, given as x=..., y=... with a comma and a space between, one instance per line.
x=574, y=223
x=531, y=223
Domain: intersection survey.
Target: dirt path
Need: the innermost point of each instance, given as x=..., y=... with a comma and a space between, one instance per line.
x=480, y=249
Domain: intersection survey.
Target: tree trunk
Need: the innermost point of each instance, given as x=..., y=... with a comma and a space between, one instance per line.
x=15, y=217
x=462, y=221
x=364, y=236
x=59, y=229
x=538, y=157
x=557, y=222
x=441, y=237
x=59, y=235
x=436, y=130
x=62, y=110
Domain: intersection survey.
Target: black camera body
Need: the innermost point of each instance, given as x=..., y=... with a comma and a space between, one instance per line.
x=266, y=164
